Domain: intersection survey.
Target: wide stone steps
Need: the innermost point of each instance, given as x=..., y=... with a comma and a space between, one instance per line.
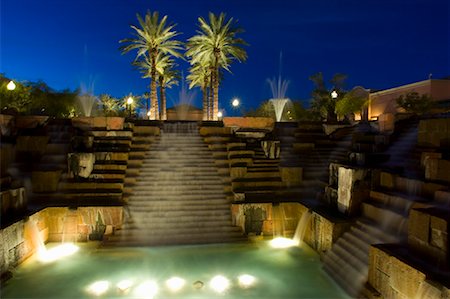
x=177, y=197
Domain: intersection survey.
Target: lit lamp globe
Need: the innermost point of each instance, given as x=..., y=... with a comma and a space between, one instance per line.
x=11, y=85
x=219, y=114
x=130, y=100
x=334, y=94
x=235, y=102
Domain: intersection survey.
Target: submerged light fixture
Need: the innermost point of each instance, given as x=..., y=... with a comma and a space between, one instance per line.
x=219, y=283
x=98, y=288
x=282, y=243
x=246, y=281
x=175, y=284
x=58, y=252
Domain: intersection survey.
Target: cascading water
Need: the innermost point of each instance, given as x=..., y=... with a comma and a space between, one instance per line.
x=278, y=221
x=31, y=232
x=301, y=228
x=278, y=105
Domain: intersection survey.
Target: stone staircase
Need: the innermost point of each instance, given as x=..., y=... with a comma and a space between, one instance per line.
x=397, y=187
x=178, y=197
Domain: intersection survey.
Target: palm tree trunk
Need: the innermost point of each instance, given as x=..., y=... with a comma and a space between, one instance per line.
x=162, y=95
x=154, y=111
x=205, y=98
x=210, y=97
x=216, y=95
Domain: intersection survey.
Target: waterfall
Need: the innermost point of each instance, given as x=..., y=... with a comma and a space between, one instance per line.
x=301, y=228
x=278, y=221
x=31, y=232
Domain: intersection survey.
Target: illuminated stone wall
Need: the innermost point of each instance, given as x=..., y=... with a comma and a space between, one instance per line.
x=17, y=242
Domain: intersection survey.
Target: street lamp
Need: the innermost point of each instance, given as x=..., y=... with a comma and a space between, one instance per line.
x=129, y=103
x=334, y=94
x=11, y=85
x=219, y=114
x=235, y=102
x=148, y=114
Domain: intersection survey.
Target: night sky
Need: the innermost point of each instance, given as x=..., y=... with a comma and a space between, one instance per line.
x=378, y=43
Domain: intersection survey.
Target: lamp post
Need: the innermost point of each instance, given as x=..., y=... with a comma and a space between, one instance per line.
x=235, y=102
x=129, y=103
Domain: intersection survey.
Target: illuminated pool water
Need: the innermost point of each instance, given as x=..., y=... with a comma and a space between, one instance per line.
x=214, y=271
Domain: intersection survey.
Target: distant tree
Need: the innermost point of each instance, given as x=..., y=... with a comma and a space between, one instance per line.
x=109, y=105
x=322, y=101
x=415, y=103
x=152, y=37
x=294, y=111
x=18, y=99
x=217, y=46
x=354, y=101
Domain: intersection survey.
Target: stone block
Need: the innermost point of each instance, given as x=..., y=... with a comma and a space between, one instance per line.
x=218, y=131
x=442, y=197
x=387, y=180
x=379, y=269
x=109, y=123
x=404, y=278
x=439, y=232
x=81, y=164
x=429, y=155
x=419, y=225
x=36, y=144
x=291, y=176
x=386, y=122
x=45, y=181
x=7, y=156
x=30, y=121
x=349, y=178
x=238, y=172
x=443, y=170
x=303, y=146
x=147, y=130
x=249, y=122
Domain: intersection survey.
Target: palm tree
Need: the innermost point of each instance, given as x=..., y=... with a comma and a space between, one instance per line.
x=167, y=77
x=199, y=75
x=216, y=45
x=153, y=36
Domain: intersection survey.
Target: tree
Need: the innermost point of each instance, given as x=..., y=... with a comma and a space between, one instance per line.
x=352, y=102
x=109, y=105
x=322, y=101
x=200, y=75
x=217, y=46
x=152, y=37
x=18, y=99
x=415, y=103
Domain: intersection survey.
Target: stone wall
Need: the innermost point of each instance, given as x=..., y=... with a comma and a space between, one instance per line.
x=321, y=230
x=108, y=123
x=53, y=225
x=428, y=235
x=393, y=277
x=434, y=132
x=249, y=122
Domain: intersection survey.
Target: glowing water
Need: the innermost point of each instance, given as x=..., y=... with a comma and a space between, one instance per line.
x=212, y=271
x=278, y=221
x=301, y=228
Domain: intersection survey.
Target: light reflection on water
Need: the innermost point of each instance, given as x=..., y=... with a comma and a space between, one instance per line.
x=279, y=273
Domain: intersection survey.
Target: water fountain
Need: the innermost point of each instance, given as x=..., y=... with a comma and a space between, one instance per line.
x=185, y=100
x=279, y=88
x=87, y=98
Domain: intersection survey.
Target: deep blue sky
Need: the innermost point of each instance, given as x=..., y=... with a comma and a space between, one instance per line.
x=377, y=43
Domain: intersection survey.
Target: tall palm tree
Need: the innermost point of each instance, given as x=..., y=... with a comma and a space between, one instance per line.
x=217, y=46
x=199, y=75
x=166, y=76
x=153, y=36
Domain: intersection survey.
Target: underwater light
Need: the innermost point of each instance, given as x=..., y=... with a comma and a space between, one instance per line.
x=175, y=284
x=246, y=281
x=219, y=283
x=124, y=285
x=99, y=287
x=282, y=243
x=57, y=252
x=148, y=289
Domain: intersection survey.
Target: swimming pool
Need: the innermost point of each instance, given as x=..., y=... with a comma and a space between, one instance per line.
x=250, y=270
